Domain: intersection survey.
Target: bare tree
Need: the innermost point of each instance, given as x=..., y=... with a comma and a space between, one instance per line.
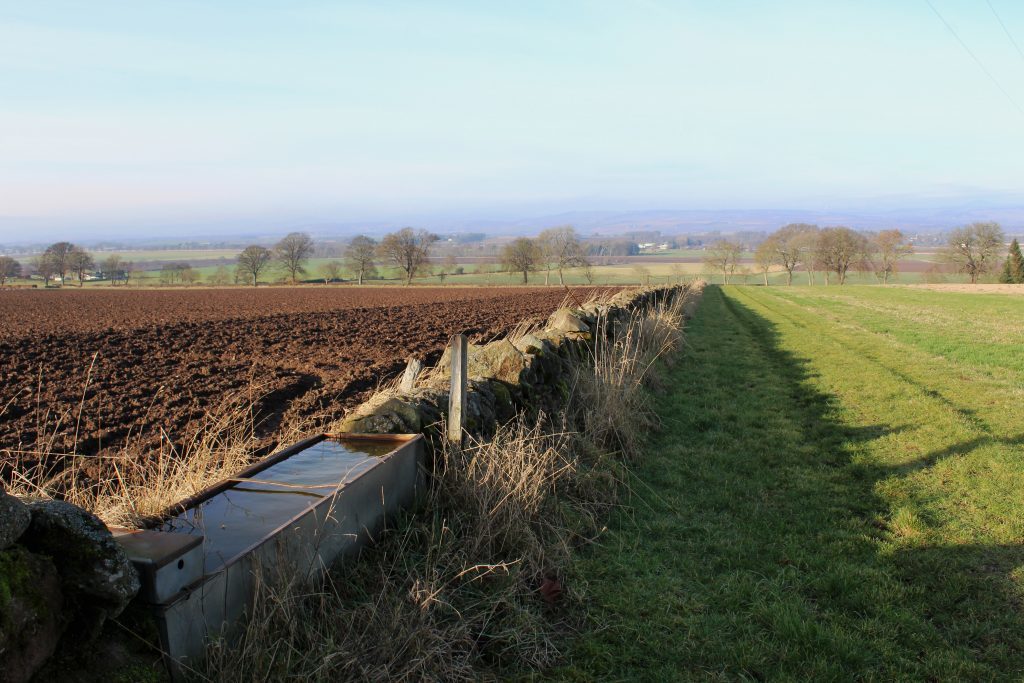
x=133, y=273
x=808, y=242
x=359, y=255
x=724, y=256
x=331, y=271
x=588, y=272
x=521, y=255
x=292, y=252
x=840, y=249
x=220, y=277
x=79, y=261
x=887, y=248
x=974, y=249
x=9, y=269
x=643, y=274
x=448, y=266
x=57, y=256
x=189, y=275
x=112, y=266
x=43, y=265
x=172, y=273
x=561, y=247
x=408, y=249
x=793, y=245
x=253, y=260
x=766, y=255
x=546, y=251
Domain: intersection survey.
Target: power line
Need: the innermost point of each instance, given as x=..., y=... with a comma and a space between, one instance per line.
x=975, y=58
x=1005, y=29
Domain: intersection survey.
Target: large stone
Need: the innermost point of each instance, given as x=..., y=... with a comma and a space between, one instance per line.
x=564, y=320
x=480, y=414
x=531, y=343
x=499, y=360
x=30, y=613
x=94, y=571
x=504, y=405
x=388, y=416
x=14, y=519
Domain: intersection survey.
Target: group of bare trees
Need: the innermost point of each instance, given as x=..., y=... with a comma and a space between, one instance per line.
x=178, y=272
x=407, y=249
x=9, y=269
x=290, y=254
x=555, y=249
x=974, y=250
x=801, y=246
x=62, y=259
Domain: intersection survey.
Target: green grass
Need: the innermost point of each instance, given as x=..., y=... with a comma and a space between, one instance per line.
x=837, y=494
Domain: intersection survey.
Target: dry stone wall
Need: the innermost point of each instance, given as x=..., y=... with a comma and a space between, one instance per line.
x=528, y=373
x=61, y=576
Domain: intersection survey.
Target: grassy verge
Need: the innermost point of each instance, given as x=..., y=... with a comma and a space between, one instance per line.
x=837, y=494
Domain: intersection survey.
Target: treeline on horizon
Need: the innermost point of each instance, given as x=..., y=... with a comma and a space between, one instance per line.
x=976, y=250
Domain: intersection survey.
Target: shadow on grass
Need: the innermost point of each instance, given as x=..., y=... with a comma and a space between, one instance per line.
x=762, y=549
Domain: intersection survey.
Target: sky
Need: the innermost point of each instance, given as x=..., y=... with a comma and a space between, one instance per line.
x=145, y=116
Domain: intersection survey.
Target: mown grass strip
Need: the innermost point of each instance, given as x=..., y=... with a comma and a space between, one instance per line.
x=833, y=497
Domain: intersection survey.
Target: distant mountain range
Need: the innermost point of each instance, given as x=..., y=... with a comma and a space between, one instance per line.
x=926, y=217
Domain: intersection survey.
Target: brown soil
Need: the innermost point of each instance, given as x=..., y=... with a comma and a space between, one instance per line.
x=109, y=364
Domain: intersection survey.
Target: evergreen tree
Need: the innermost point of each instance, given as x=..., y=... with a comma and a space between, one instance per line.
x=1014, y=270
x=1006, y=277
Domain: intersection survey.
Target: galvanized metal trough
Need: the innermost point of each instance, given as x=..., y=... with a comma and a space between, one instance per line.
x=298, y=511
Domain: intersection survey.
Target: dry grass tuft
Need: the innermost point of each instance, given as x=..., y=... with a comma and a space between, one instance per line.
x=617, y=409
x=125, y=486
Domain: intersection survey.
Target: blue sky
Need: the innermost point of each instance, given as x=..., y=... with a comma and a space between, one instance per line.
x=149, y=114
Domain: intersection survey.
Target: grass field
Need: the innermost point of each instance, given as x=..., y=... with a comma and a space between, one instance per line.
x=837, y=494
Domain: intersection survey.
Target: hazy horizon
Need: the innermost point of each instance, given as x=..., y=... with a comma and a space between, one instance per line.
x=128, y=120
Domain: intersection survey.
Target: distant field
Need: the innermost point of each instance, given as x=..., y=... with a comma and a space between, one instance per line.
x=173, y=254
x=837, y=494
x=654, y=268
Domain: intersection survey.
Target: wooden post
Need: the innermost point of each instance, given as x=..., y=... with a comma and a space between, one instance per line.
x=457, y=395
x=412, y=371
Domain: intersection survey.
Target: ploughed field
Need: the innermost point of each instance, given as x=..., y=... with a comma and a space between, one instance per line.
x=84, y=371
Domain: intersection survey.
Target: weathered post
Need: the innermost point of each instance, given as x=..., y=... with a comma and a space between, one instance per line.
x=412, y=371
x=457, y=394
